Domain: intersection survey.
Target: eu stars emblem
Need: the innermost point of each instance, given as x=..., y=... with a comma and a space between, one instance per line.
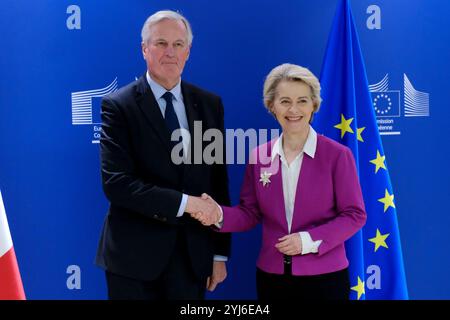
x=386, y=103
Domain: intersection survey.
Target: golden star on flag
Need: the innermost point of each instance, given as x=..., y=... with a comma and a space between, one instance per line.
x=359, y=288
x=379, y=162
x=344, y=125
x=380, y=240
x=358, y=133
x=388, y=200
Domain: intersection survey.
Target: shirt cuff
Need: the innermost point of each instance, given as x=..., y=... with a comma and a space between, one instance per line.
x=220, y=258
x=219, y=224
x=308, y=245
x=183, y=205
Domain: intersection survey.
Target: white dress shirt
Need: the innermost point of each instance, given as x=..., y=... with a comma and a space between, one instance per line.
x=290, y=174
x=180, y=110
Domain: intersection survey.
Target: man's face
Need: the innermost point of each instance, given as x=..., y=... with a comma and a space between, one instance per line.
x=166, y=52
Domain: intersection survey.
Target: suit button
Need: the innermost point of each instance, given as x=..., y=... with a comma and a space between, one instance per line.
x=163, y=219
x=155, y=216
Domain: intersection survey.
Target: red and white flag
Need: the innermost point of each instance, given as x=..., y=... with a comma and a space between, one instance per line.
x=11, y=287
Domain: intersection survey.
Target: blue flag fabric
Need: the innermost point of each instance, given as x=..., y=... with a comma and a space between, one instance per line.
x=347, y=116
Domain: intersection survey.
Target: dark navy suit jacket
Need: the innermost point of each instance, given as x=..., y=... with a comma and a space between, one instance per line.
x=144, y=187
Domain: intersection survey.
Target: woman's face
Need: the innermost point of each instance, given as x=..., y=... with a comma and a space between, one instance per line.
x=293, y=106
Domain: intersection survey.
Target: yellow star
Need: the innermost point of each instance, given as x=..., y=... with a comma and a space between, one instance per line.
x=358, y=132
x=379, y=162
x=379, y=240
x=359, y=288
x=388, y=200
x=344, y=125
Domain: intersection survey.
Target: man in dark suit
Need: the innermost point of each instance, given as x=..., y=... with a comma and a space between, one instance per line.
x=151, y=247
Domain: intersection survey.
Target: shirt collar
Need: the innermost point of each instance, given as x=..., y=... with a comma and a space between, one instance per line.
x=309, y=148
x=158, y=90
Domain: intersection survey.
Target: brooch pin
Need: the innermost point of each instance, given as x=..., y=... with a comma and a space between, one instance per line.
x=265, y=178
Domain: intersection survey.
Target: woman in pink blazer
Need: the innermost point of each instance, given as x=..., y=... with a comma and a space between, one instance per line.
x=304, y=189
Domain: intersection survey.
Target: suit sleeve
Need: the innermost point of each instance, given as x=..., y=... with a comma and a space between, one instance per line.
x=120, y=182
x=247, y=214
x=351, y=214
x=222, y=241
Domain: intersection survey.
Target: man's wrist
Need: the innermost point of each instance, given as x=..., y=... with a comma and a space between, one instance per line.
x=191, y=204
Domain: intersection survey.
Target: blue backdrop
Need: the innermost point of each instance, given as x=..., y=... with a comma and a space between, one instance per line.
x=57, y=58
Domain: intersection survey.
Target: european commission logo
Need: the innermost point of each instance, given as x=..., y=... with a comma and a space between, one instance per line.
x=417, y=104
x=388, y=108
x=86, y=107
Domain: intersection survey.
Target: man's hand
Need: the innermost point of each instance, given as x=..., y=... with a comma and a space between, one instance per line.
x=204, y=209
x=290, y=245
x=218, y=275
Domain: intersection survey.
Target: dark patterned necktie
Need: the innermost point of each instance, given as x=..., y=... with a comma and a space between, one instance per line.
x=170, y=115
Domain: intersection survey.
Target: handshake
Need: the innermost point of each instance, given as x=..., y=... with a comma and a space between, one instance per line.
x=204, y=209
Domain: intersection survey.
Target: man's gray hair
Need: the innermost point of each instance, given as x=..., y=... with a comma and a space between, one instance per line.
x=162, y=15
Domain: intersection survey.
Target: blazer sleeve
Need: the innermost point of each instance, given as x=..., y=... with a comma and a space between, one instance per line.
x=120, y=182
x=222, y=241
x=351, y=214
x=247, y=214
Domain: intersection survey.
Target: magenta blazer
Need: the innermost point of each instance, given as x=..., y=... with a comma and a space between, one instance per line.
x=328, y=204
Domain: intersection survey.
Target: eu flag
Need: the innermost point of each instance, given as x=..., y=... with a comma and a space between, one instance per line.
x=347, y=116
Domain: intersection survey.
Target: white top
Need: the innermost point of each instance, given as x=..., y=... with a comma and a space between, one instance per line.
x=290, y=174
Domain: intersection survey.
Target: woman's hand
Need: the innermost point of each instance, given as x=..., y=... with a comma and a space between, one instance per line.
x=290, y=245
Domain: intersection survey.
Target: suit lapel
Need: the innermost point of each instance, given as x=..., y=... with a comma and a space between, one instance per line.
x=148, y=105
x=192, y=114
x=191, y=106
x=274, y=192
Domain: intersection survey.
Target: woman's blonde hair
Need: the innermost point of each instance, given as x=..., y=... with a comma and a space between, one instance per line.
x=290, y=72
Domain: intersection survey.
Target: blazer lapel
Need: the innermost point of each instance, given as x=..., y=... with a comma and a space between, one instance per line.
x=148, y=105
x=275, y=194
